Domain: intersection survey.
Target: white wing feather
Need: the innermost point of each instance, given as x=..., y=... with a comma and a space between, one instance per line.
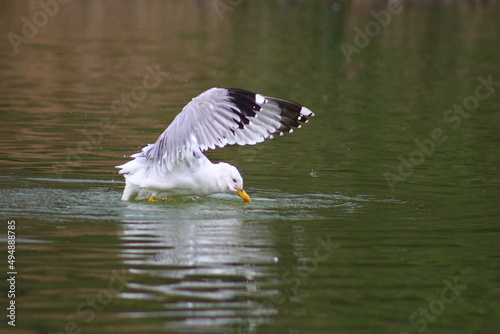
x=220, y=117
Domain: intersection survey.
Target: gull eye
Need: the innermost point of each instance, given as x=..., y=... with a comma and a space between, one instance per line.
x=234, y=180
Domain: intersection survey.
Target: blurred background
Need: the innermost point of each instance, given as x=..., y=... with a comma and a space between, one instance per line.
x=355, y=225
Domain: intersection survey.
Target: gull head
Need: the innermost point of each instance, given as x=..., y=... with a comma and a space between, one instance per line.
x=231, y=181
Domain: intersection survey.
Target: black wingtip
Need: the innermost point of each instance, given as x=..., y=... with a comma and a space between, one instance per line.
x=245, y=100
x=292, y=114
x=248, y=104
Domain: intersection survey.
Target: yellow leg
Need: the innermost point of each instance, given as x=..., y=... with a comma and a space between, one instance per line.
x=152, y=198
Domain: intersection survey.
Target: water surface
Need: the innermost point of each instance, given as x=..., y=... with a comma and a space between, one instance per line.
x=353, y=226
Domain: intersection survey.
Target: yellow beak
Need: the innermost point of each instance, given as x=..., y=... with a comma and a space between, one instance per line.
x=243, y=195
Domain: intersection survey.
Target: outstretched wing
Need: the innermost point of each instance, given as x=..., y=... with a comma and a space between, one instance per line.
x=220, y=117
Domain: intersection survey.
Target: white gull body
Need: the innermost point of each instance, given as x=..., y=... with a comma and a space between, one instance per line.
x=176, y=166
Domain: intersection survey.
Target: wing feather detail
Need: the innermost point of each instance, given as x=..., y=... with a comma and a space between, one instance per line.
x=220, y=117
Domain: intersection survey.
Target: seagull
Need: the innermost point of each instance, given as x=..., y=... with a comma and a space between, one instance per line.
x=175, y=164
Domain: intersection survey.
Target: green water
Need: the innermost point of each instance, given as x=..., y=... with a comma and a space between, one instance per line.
x=381, y=215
